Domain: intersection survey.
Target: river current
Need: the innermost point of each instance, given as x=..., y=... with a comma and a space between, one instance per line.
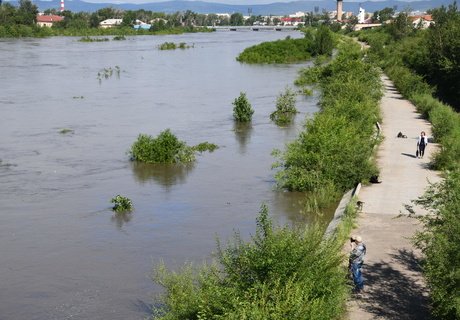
x=64, y=136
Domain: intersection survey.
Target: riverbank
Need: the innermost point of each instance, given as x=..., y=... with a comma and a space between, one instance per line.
x=394, y=283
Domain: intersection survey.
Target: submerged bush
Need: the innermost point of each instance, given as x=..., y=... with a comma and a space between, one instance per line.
x=281, y=273
x=165, y=148
x=285, y=108
x=121, y=204
x=280, y=51
x=242, y=110
x=205, y=146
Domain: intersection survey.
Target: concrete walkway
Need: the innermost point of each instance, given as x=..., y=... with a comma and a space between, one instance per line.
x=394, y=286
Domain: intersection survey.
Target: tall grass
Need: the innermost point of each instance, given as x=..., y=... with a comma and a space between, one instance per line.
x=281, y=273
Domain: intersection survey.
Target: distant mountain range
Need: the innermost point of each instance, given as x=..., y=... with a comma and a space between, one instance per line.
x=276, y=8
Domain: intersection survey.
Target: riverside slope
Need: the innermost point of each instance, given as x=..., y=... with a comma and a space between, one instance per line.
x=394, y=285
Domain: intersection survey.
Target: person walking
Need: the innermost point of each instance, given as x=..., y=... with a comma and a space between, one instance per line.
x=422, y=141
x=356, y=260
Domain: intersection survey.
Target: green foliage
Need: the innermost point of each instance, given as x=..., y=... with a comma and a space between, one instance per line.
x=108, y=73
x=121, y=204
x=119, y=38
x=323, y=42
x=333, y=151
x=165, y=148
x=88, y=39
x=173, y=46
x=281, y=273
x=66, y=131
x=242, y=110
x=440, y=242
x=285, y=107
x=167, y=46
x=280, y=51
x=205, y=146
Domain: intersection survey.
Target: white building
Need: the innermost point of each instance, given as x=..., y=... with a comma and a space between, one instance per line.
x=110, y=23
x=361, y=15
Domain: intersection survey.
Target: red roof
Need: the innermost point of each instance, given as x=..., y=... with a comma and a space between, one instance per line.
x=426, y=17
x=291, y=19
x=49, y=19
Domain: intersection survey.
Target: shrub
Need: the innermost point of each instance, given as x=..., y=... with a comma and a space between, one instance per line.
x=242, y=110
x=285, y=107
x=440, y=242
x=280, y=51
x=333, y=151
x=121, y=204
x=281, y=273
x=165, y=148
x=205, y=146
x=167, y=46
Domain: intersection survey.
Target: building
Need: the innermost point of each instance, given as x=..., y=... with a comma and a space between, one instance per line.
x=291, y=21
x=110, y=23
x=48, y=20
x=361, y=15
x=421, y=21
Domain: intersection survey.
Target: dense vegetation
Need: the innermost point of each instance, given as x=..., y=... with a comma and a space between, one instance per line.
x=281, y=273
x=21, y=22
x=173, y=46
x=432, y=54
x=315, y=42
x=285, y=108
x=410, y=57
x=121, y=204
x=242, y=109
x=166, y=148
x=333, y=152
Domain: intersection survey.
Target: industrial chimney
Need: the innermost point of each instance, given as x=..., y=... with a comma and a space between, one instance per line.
x=339, y=10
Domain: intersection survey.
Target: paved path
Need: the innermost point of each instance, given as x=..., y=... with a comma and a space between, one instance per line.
x=394, y=286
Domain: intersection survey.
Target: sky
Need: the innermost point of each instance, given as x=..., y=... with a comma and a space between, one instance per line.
x=237, y=2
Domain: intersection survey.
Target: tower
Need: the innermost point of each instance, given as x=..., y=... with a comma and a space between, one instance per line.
x=62, y=5
x=339, y=10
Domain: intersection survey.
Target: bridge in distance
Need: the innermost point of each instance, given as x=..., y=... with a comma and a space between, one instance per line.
x=254, y=28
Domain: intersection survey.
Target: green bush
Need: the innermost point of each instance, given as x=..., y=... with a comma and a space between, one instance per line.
x=205, y=146
x=280, y=51
x=167, y=46
x=121, y=204
x=285, y=107
x=333, y=151
x=440, y=243
x=281, y=273
x=165, y=148
x=242, y=110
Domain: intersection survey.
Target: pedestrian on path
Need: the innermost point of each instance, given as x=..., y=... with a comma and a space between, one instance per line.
x=356, y=260
x=422, y=141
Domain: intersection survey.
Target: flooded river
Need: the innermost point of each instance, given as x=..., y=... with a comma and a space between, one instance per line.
x=63, y=254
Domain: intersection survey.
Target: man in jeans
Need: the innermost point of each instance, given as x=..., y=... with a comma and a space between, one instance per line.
x=356, y=260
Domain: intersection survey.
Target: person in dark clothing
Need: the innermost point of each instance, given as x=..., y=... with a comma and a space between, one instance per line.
x=422, y=142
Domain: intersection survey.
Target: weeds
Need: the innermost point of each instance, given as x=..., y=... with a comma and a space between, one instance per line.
x=121, y=204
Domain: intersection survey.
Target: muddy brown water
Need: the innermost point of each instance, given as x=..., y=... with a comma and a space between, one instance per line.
x=63, y=254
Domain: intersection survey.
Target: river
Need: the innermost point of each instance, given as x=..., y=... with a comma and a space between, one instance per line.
x=63, y=253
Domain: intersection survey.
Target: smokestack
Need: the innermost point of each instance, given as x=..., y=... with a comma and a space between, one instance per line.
x=339, y=10
x=62, y=5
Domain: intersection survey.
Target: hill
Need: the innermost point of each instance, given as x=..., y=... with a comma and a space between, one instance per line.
x=276, y=8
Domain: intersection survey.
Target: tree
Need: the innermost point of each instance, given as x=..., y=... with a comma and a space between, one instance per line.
x=324, y=41
x=129, y=18
x=242, y=111
x=401, y=26
x=26, y=13
x=236, y=19
x=383, y=15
